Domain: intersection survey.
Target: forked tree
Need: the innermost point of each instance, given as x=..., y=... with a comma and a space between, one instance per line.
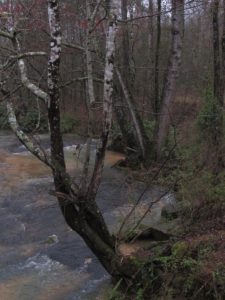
x=76, y=200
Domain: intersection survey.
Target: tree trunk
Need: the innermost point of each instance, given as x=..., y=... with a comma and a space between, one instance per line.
x=135, y=135
x=142, y=139
x=218, y=89
x=172, y=73
x=78, y=206
x=218, y=93
x=156, y=103
x=138, y=8
x=151, y=57
x=119, y=105
x=223, y=49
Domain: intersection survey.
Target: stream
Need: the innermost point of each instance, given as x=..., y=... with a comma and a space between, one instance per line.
x=41, y=258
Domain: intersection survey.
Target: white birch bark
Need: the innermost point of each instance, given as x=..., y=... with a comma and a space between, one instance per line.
x=107, y=96
x=12, y=35
x=24, y=77
x=27, y=141
x=6, y=35
x=172, y=73
x=132, y=113
x=90, y=82
x=57, y=152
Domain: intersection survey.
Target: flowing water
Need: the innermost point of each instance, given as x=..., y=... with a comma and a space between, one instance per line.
x=40, y=257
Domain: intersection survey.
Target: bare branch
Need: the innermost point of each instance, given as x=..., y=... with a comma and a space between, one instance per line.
x=24, y=78
x=12, y=59
x=6, y=35
x=24, y=138
x=73, y=46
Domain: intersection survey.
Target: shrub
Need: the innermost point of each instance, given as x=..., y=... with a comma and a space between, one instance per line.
x=68, y=124
x=210, y=118
x=31, y=121
x=3, y=118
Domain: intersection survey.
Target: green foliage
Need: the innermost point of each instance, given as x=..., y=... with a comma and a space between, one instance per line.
x=179, y=249
x=68, y=124
x=116, y=139
x=218, y=283
x=31, y=121
x=200, y=193
x=3, y=118
x=139, y=295
x=149, y=126
x=210, y=118
x=115, y=293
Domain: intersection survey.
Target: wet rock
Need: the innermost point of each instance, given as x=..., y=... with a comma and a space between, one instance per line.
x=152, y=234
x=88, y=261
x=169, y=209
x=52, y=239
x=169, y=213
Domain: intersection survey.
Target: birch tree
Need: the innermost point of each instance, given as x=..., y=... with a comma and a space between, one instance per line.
x=76, y=200
x=164, y=119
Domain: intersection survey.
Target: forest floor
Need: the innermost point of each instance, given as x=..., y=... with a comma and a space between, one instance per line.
x=190, y=265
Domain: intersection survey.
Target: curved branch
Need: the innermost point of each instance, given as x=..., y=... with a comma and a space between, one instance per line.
x=23, y=74
x=27, y=141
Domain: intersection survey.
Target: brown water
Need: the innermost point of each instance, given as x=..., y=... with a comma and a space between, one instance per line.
x=40, y=257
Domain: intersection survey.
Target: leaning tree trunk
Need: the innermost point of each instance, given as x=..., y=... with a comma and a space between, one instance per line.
x=164, y=119
x=144, y=145
x=136, y=135
x=129, y=135
x=119, y=104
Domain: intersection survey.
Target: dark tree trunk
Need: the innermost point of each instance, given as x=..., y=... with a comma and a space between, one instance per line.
x=135, y=134
x=156, y=104
x=223, y=49
x=151, y=58
x=78, y=206
x=57, y=153
x=218, y=89
x=119, y=105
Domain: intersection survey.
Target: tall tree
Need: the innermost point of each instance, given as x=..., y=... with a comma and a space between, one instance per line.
x=164, y=119
x=218, y=87
x=218, y=93
x=223, y=48
x=156, y=103
x=77, y=201
x=136, y=137
x=119, y=104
